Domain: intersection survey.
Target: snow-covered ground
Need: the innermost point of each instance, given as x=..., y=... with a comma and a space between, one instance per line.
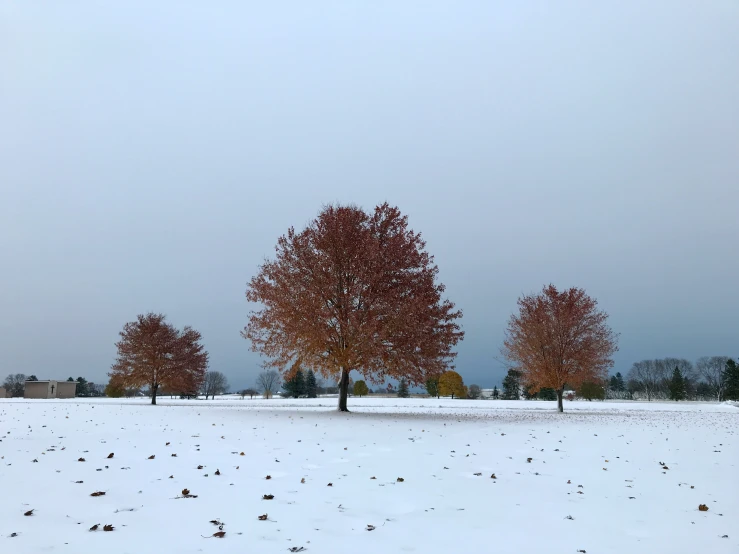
x=600, y=478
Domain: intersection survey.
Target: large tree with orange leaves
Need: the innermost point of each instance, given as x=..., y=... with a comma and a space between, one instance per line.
x=153, y=352
x=558, y=339
x=353, y=291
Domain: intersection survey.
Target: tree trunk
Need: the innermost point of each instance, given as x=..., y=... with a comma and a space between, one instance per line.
x=560, y=394
x=343, y=390
x=154, y=395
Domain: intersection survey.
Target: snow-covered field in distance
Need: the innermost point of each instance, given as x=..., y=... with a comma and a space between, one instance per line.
x=637, y=473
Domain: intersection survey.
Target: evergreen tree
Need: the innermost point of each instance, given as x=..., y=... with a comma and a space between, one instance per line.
x=512, y=385
x=82, y=387
x=547, y=393
x=496, y=393
x=731, y=378
x=295, y=386
x=32, y=378
x=311, y=385
x=432, y=387
x=527, y=394
x=620, y=385
x=403, y=389
x=677, y=385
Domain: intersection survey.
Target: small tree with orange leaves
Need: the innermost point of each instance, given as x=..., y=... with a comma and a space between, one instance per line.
x=152, y=352
x=353, y=291
x=558, y=339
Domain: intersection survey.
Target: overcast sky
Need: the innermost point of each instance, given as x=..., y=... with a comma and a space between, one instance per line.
x=152, y=152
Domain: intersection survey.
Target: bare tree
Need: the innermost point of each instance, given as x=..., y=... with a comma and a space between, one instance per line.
x=268, y=382
x=649, y=376
x=475, y=392
x=712, y=369
x=215, y=383
x=15, y=384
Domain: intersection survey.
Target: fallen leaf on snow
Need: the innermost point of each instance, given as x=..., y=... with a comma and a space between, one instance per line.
x=28, y=513
x=263, y=517
x=370, y=528
x=110, y=455
x=108, y=528
x=268, y=496
x=95, y=527
x=703, y=508
x=151, y=457
x=98, y=493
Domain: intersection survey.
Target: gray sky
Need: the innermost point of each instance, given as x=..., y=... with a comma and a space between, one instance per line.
x=152, y=152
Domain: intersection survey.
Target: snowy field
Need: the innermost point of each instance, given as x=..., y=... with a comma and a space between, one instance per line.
x=394, y=476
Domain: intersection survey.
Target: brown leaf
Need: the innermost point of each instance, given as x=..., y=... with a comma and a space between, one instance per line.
x=174, y=455
x=569, y=482
x=166, y=444
x=200, y=467
x=110, y=455
x=185, y=492
x=242, y=454
x=302, y=480
x=330, y=485
x=151, y=457
x=218, y=472
x=95, y=527
x=400, y=479
x=98, y=493
x=703, y=508
x=268, y=477
x=493, y=476
x=219, y=534
x=79, y=482
x=370, y=527
x=171, y=476
x=373, y=477
x=263, y=517
x=28, y=513
x=529, y=460
x=268, y=497
x=215, y=522
x=81, y=460
x=477, y=474
x=108, y=527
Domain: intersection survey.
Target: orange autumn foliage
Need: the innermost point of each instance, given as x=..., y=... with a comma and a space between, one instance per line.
x=560, y=339
x=353, y=291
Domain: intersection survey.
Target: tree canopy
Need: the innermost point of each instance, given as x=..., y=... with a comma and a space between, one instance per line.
x=152, y=352
x=451, y=384
x=353, y=291
x=560, y=338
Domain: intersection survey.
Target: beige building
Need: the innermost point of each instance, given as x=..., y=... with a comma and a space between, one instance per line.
x=50, y=389
x=2, y=393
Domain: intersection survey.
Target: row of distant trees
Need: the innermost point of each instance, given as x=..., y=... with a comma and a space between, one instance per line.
x=710, y=378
